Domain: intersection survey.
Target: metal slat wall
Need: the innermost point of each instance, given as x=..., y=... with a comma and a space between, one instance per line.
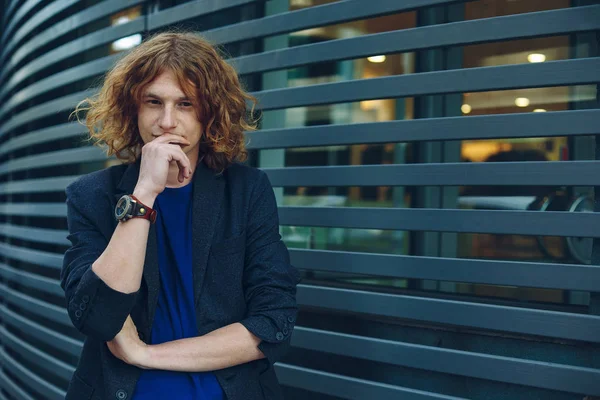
x=50, y=53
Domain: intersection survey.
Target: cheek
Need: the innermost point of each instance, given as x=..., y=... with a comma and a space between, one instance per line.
x=145, y=120
x=144, y=124
x=192, y=126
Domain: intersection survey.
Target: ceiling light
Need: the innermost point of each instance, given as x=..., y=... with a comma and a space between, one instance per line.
x=522, y=101
x=127, y=42
x=376, y=59
x=370, y=104
x=536, y=58
x=465, y=108
x=121, y=20
x=301, y=3
x=539, y=110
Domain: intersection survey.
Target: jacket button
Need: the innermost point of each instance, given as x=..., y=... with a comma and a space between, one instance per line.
x=121, y=394
x=78, y=313
x=86, y=299
x=82, y=306
x=279, y=336
x=290, y=319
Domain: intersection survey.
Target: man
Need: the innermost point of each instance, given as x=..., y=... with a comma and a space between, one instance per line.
x=177, y=274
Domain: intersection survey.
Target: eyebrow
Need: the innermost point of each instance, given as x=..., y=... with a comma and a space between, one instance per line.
x=155, y=96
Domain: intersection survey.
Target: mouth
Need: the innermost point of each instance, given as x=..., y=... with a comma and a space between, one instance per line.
x=182, y=145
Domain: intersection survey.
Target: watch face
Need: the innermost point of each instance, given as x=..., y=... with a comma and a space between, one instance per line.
x=122, y=207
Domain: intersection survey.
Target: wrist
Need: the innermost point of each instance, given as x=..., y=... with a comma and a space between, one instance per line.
x=142, y=359
x=145, y=196
x=148, y=360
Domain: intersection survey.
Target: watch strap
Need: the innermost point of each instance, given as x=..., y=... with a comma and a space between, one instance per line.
x=140, y=210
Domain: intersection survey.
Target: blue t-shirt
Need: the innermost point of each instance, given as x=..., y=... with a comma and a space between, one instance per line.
x=175, y=316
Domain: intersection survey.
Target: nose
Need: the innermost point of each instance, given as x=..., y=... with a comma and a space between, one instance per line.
x=167, y=119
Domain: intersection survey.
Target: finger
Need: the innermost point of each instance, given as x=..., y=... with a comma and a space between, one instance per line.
x=181, y=172
x=171, y=138
x=182, y=160
x=185, y=167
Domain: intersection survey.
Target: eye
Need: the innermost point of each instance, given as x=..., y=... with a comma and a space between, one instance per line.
x=153, y=102
x=185, y=104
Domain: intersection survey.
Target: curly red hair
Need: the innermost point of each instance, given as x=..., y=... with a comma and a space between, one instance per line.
x=202, y=73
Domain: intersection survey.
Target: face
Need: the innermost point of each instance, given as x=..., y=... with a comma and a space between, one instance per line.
x=165, y=108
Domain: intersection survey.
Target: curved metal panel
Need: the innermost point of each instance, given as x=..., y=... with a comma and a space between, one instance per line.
x=494, y=272
x=60, y=79
x=191, y=10
x=35, y=306
x=548, y=223
x=37, y=185
x=38, y=147
x=504, y=369
x=41, y=235
x=525, y=173
x=348, y=387
x=34, y=210
x=47, y=109
x=33, y=281
x=8, y=9
x=322, y=15
x=578, y=19
x=34, y=382
x=62, y=131
x=70, y=49
x=54, y=158
x=50, y=337
x=21, y=11
x=46, y=13
x=13, y=388
x=549, y=124
x=554, y=73
x=41, y=258
x=69, y=24
x=33, y=355
x=485, y=316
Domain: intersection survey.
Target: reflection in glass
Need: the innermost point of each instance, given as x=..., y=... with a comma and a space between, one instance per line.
x=124, y=17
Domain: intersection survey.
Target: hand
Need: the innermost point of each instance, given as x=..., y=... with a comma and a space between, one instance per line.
x=127, y=345
x=157, y=157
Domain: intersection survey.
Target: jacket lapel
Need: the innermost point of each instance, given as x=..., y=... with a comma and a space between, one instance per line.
x=208, y=196
x=151, y=273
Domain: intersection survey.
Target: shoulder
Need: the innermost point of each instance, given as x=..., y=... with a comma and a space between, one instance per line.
x=242, y=171
x=252, y=187
x=248, y=184
x=246, y=177
x=96, y=184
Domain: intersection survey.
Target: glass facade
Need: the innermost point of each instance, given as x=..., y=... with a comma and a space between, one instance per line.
x=516, y=149
x=366, y=111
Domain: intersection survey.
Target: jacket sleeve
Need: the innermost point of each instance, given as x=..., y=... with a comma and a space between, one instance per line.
x=269, y=278
x=95, y=309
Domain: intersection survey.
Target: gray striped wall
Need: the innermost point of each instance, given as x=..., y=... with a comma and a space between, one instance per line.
x=394, y=345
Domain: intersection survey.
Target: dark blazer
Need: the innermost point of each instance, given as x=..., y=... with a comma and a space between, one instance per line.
x=241, y=273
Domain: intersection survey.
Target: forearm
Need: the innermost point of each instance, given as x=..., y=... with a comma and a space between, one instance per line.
x=222, y=348
x=121, y=265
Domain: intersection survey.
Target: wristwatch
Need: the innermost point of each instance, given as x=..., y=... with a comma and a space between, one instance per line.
x=129, y=207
